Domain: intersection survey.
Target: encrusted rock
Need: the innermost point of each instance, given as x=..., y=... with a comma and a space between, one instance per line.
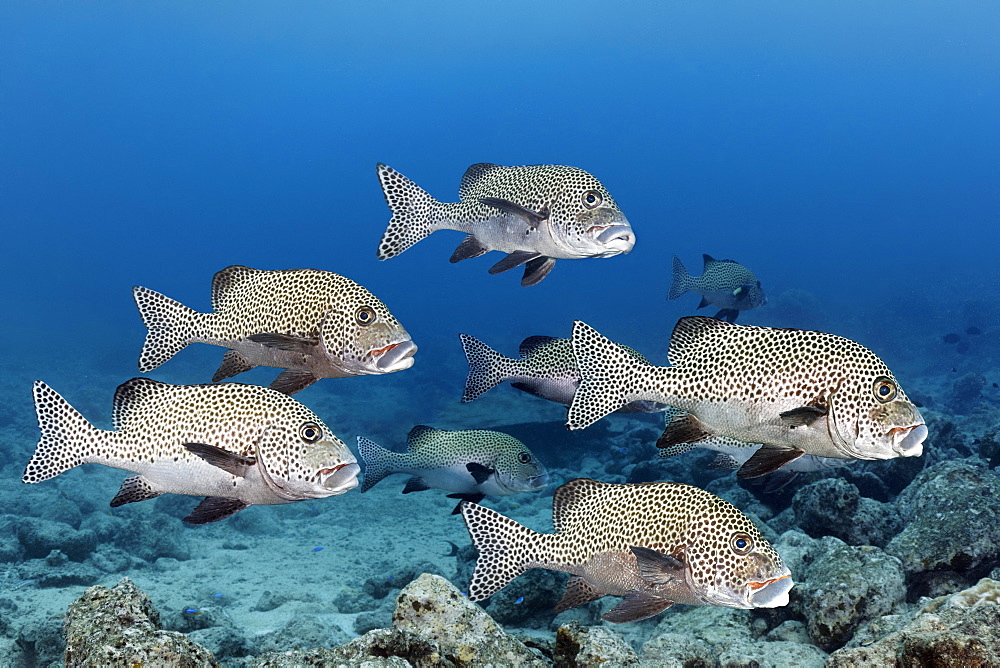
x=435, y=610
x=835, y=507
x=40, y=537
x=583, y=646
x=962, y=630
x=120, y=627
x=953, y=510
x=844, y=587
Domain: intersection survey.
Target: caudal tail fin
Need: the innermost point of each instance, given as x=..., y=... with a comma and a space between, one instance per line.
x=65, y=436
x=411, y=209
x=680, y=280
x=170, y=325
x=504, y=546
x=486, y=367
x=608, y=377
x=376, y=460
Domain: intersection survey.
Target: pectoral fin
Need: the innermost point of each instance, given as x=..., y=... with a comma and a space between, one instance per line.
x=802, y=416
x=295, y=344
x=515, y=259
x=479, y=472
x=636, y=606
x=225, y=460
x=657, y=568
x=766, y=460
x=532, y=218
x=213, y=509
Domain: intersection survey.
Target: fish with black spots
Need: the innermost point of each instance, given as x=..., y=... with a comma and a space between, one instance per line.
x=724, y=284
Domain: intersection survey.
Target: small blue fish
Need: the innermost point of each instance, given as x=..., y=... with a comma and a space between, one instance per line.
x=317, y=549
x=192, y=611
x=520, y=599
x=218, y=595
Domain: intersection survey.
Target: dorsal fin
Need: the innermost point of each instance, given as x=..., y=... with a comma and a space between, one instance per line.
x=416, y=433
x=126, y=394
x=224, y=281
x=470, y=187
x=571, y=503
x=533, y=343
x=707, y=259
x=687, y=332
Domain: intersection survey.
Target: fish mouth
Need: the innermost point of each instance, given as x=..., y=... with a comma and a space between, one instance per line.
x=908, y=441
x=395, y=356
x=771, y=593
x=616, y=238
x=341, y=478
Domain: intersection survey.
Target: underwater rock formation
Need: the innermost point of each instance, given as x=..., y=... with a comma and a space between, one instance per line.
x=581, y=646
x=952, y=511
x=958, y=630
x=120, y=627
x=835, y=507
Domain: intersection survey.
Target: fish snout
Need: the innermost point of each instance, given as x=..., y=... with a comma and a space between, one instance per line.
x=771, y=593
x=395, y=356
x=909, y=441
x=617, y=238
x=340, y=478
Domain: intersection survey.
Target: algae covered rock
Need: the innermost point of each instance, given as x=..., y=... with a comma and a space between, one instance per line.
x=953, y=515
x=433, y=609
x=835, y=507
x=592, y=646
x=961, y=630
x=120, y=627
x=381, y=648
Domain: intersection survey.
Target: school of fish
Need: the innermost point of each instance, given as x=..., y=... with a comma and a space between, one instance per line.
x=771, y=401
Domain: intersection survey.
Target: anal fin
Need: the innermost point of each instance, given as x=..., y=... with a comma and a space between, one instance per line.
x=213, y=509
x=291, y=381
x=578, y=592
x=766, y=460
x=232, y=363
x=683, y=427
x=636, y=606
x=468, y=249
x=415, y=484
x=134, y=488
x=474, y=498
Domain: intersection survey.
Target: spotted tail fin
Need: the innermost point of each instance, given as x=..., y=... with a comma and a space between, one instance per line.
x=170, y=325
x=608, y=377
x=65, y=436
x=505, y=549
x=411, y=208
x=486, y=367
x=376, y=459
x=680, y=280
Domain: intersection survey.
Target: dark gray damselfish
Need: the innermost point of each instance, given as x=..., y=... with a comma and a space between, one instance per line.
x=534, y=213
x=656, y=544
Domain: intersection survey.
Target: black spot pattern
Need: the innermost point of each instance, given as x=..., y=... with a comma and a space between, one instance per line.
x=594, y=518
x=349, y=325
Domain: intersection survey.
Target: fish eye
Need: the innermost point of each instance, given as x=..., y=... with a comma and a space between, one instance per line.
x=884, y=389
x=365, y=315
x=592, y=199
x=524, y=458
x=741, y=543
x=310, y=432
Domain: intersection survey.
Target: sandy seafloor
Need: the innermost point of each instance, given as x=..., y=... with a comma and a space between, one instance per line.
x=271, y=553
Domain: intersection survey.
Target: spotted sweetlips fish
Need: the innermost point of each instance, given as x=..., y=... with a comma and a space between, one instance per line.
x=534, y=213
x=313, y=323
x=470, y=463
x=724, y=284
x=237, y=445
x=546, y=368
x=794, y=391
x=655, y=544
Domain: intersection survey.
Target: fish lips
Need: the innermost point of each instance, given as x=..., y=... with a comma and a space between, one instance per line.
x=395, y=356
x=909, y=441
x=340, y=479
x=771, y=593
x=617, y=239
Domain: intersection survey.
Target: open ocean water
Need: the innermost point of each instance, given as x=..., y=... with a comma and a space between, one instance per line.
x=848, y=153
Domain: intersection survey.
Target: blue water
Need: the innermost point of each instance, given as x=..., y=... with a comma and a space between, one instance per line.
x=847, y=150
